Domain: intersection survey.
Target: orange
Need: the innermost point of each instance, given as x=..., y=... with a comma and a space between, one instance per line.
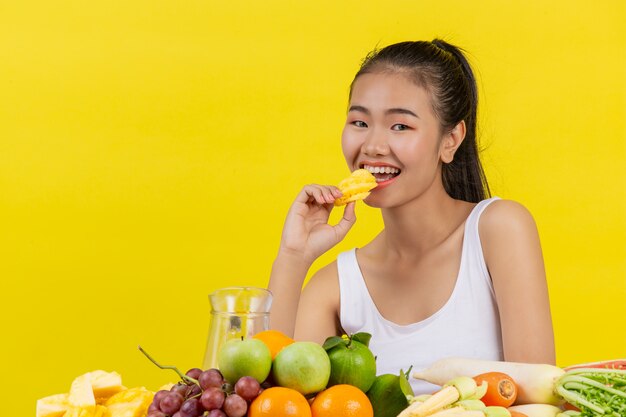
x=342, y=401
x=274, y=340
x=280, y=402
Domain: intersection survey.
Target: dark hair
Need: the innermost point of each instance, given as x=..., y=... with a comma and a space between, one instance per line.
x=445, y=73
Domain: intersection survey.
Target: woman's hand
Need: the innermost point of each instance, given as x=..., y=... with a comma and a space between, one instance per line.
x=306, y=233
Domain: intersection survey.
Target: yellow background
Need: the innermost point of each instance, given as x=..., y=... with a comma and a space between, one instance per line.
x=149, y=151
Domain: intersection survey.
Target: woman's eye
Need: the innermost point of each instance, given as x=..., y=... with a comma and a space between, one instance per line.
x=359, y=123
x=399, y=126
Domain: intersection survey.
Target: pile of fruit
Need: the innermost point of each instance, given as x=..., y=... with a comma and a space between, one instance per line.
x=271, y=375
x=97, y=394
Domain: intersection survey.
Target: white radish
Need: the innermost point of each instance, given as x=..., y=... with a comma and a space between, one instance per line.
x=535, y=382
x=537, y=410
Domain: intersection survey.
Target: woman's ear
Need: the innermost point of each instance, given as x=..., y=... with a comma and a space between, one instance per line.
x=451, y=142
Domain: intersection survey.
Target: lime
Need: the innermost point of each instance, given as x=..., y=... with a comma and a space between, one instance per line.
x=351, y=362
x=387, y=396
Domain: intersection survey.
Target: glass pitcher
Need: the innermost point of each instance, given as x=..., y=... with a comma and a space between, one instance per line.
x=235, y=312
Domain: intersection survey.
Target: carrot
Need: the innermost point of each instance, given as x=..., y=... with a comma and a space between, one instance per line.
x=501, y=389
x=535, y=382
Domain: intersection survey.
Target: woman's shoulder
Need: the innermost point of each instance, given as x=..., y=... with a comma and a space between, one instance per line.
x=505, y=219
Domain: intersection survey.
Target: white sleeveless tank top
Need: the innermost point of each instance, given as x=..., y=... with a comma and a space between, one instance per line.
x=468, y=324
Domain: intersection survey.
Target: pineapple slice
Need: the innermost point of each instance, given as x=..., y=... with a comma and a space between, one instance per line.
x=105, y=384
x=81, y=393
x=98, y=411
x=133, y=402
x=53, y=405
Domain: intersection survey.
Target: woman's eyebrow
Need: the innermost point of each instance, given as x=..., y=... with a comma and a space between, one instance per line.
x=395, y=110
x=359, y=108
x=400, y=110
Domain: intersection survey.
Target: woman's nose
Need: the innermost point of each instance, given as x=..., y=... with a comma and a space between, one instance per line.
x=375, y=144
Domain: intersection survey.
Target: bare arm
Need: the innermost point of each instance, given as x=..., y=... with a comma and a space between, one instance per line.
x=513, y=255
x=306, y=236
x=318, y=311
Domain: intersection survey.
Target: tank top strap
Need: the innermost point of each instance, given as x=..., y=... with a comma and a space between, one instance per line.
x=353, y=292
x=472, y=246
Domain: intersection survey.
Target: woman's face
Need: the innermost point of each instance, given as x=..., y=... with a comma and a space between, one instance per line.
x=391, y=130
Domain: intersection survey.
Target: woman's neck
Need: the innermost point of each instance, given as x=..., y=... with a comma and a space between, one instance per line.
x=422, y=224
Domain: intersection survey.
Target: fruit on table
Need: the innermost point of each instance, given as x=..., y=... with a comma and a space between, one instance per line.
x=351, y=361
x=388, y=394
x=132, y=402
x=303, y=366
x=280, y=402
x=96, y=394
x=342, y=400
x=53, y=405
x=247, y=357
x=274, y=340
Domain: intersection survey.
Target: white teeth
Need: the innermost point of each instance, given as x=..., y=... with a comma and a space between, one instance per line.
x=381, y=170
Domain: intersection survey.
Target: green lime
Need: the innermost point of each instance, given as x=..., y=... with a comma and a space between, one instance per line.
x=352, y=363
x=387, y=396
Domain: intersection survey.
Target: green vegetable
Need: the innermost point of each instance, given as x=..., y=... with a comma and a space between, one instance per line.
x=595, y=391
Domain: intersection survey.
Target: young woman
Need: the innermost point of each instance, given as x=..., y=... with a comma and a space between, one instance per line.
x=453, y=272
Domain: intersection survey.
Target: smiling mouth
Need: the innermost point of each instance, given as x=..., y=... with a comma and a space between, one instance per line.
x=382, y=173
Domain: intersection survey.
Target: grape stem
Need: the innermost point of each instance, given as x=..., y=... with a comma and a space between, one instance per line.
x=173, y=368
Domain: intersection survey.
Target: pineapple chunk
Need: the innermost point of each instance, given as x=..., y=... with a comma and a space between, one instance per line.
x=133, y=402
x=52, y=406
x=105, y=384
x=99, y=411
x=81, y=393
x=78, y=412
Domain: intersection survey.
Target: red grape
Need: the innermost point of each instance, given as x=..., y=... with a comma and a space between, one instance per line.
x=193, y=391
x=171, y=403
x=180, y=388
x=194, y=373
x=191, y=408
x=159, y=396
x=216, y=413
x=247, y=388
x=212, y=398
x=211, y=378
x=235, y=406
x=157, y=414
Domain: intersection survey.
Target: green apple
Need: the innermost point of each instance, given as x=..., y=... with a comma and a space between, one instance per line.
x=303, y=366
x=247, y=357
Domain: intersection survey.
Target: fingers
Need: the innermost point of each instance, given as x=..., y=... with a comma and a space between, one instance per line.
x=321, y=194
x=347, y=221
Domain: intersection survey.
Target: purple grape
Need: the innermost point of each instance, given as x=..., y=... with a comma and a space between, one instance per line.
x=247, y=388
x=156, y=414
x=193, y=390
x=159, y=396
x=212, y=398
x=153, y=408
x=216, y=413
x=177, y=414
x=211, y=378
x=180, y=388
x=194, y=373
x=191, y=408
x=235, y=406
x=171, y=403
